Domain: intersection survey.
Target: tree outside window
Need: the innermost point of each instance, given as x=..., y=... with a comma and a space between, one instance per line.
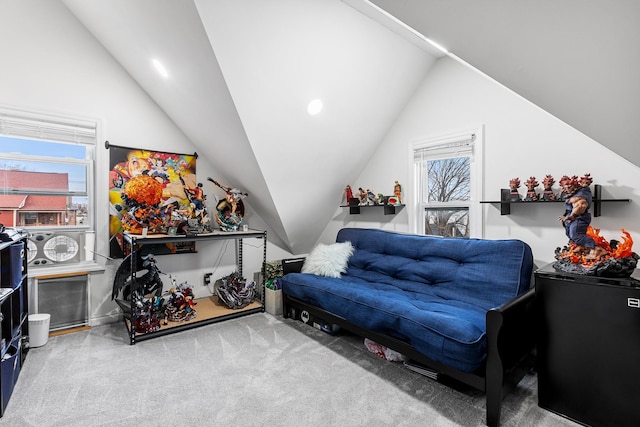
x=448, y=182
x=444, y=184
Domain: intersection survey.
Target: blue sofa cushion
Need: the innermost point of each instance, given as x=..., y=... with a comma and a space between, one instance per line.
x=432, y=292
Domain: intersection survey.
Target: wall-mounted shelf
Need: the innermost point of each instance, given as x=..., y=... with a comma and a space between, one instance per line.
x=505, y=201
x=388, y=209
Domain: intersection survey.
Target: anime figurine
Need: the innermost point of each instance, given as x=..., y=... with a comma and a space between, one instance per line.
x=371, y=198
x=230, y=209
x=547, y=194
x=397, y=191
x=362, y=196
x=514, y=184
x=348, y=193
x=531, y=184
x=576, y=218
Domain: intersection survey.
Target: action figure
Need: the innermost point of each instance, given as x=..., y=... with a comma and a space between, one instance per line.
x=547, y=194
x=349, y=193
x=362, y=195
x=397, y=191
x=514, y=184
x=230, y=209
x=531, y=184
x=577, y=218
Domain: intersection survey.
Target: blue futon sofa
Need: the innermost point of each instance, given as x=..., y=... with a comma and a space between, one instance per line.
x=460, y=307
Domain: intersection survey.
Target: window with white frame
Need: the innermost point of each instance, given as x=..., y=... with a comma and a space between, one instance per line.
x=46, y=182
x=446, y=178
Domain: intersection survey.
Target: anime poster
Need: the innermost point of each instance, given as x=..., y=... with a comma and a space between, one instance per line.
x=152, y=192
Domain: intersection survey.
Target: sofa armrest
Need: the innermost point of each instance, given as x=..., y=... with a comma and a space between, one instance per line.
x=511, y=330
x=510, y=344
x=292, y=265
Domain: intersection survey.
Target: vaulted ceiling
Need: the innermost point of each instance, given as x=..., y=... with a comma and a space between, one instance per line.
x=576, y=59
x=241, y=73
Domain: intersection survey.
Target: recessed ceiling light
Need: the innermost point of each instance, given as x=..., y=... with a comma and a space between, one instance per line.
x=160, y=68
x=314, y=107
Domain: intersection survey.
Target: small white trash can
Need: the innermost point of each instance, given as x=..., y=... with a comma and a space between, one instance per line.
x=39, y=329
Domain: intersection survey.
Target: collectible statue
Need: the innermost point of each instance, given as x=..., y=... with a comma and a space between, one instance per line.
x=362, y=195
x=397, y=191
x=348, y=193
x=588, y=253
x=371, y=198
x=576, y=218
x=180, y=306
x=514, y=184
x=230, y=209
x=531, y=184
x=547, y=194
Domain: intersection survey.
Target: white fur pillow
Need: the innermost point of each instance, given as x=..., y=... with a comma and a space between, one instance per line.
x=328, y=260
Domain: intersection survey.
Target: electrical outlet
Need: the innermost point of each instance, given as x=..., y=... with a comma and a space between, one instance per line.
x=207, y=278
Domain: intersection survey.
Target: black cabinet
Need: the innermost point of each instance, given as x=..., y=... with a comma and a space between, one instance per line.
x=13, y=312
x=589, y=347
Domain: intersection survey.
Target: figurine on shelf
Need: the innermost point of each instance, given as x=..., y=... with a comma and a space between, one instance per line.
x=181, y=305
x=362, y=196
x=585, y=180
x=380, y=197
x=348, y=193
x=371, y=198
x=576, y=218
x=531, y=184
x=514, y=184
x=563, y=193
x=397, y=191
x=547, y=194
x=230, y=209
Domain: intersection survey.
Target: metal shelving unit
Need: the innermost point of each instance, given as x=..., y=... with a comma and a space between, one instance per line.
x=215, y=312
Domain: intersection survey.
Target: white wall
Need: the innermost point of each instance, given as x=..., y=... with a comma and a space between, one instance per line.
x=521, y=140
x=50, y=63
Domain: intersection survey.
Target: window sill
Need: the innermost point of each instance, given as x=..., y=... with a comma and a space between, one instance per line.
x=63, y=270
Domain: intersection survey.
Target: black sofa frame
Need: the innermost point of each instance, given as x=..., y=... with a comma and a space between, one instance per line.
x=510, y=345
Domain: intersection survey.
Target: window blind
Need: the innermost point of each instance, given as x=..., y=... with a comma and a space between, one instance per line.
x=46, y=127
x=453, y=147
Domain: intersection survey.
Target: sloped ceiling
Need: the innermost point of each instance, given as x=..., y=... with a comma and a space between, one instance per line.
x=576, y=59
x=241, y=73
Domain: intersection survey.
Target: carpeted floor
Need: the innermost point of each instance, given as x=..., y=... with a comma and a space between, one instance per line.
x=257, y=370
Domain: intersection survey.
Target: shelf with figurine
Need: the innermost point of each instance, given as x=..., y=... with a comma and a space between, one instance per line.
x=511, y=195
x=148, y=309
x=369, y=199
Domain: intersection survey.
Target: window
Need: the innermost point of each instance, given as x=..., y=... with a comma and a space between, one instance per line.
x=46, y=182
x=445, y=182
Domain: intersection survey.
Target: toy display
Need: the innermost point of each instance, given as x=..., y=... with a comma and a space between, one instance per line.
x=152, y=192
x=397, y=192
x=230, y=210
x=235, y=291
x=348, y=193
x=547, y=183
x=531, y=184
x=587, y=252
x=146, y=295
x=514, y=195
x=180, y=305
